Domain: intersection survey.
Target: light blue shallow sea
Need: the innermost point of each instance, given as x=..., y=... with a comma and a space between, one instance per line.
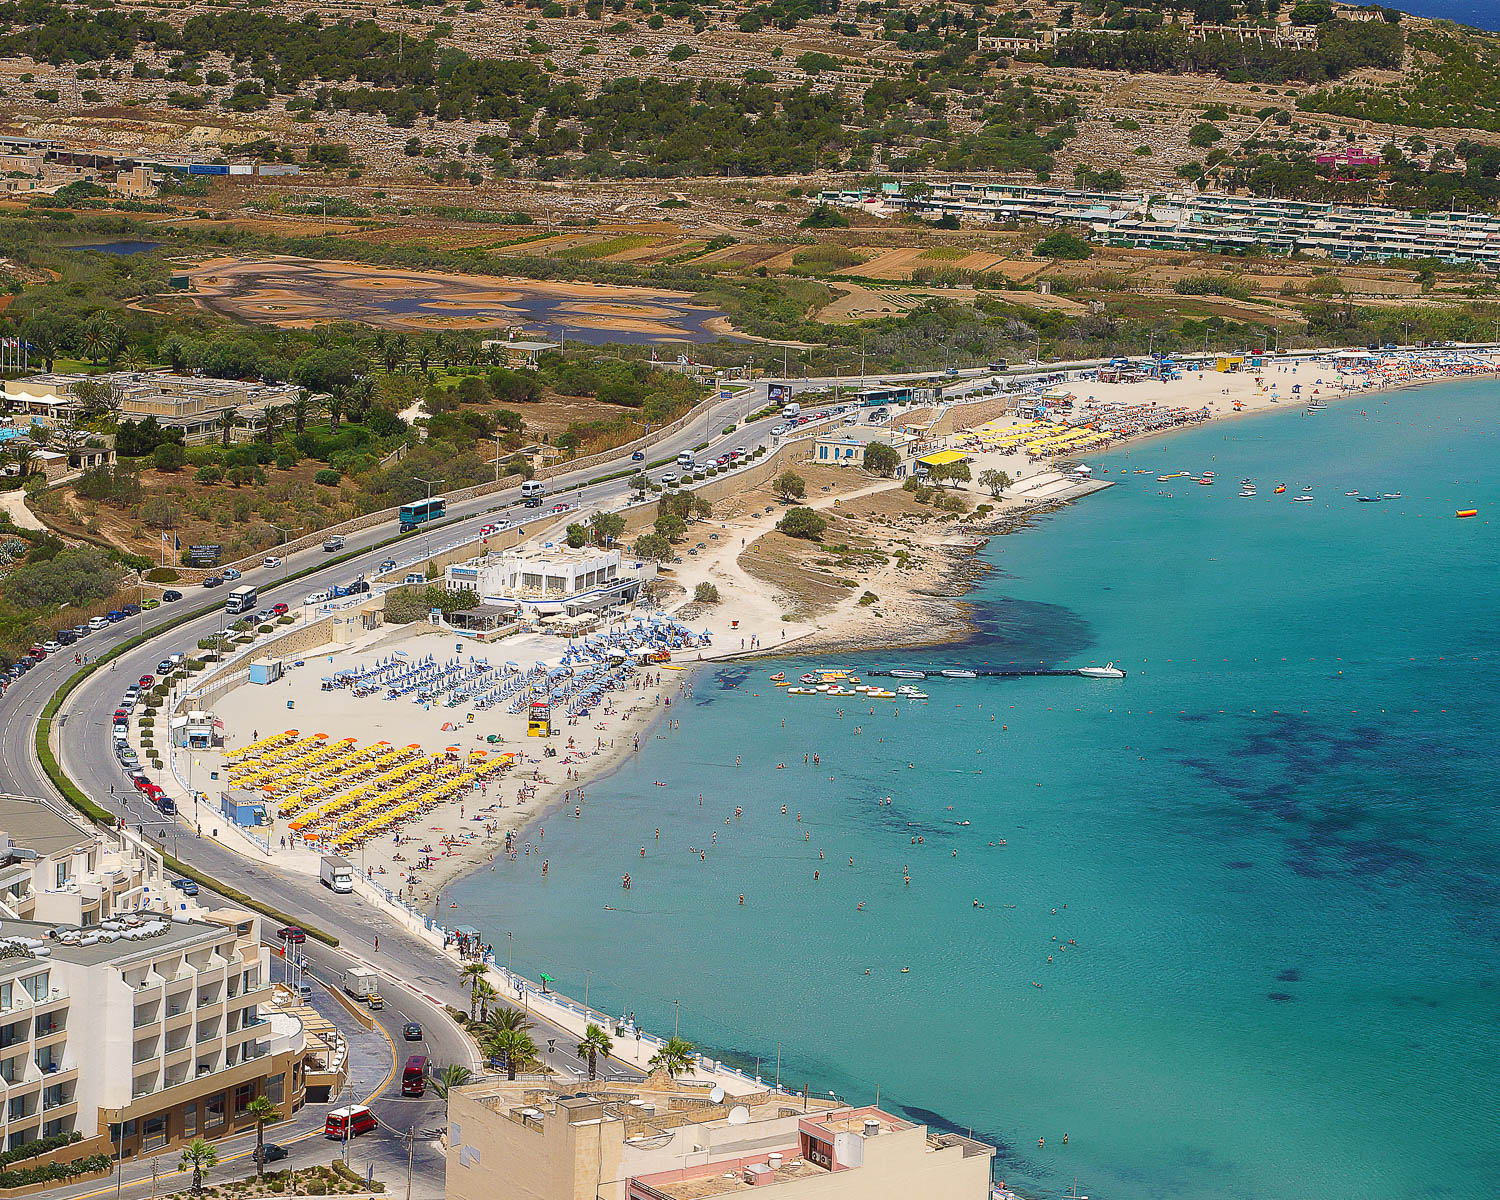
x=1265, y=865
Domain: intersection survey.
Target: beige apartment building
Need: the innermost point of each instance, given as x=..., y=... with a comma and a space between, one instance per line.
x=128, y=1014
x=514, y=1141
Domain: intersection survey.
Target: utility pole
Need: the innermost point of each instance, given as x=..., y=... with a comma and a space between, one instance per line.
x=411, y=1149
x=427, y=536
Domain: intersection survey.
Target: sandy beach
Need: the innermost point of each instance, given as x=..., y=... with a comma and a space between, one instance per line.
x=760, y=612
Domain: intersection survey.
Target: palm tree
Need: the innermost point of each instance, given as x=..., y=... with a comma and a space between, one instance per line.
x=506, y=1017
x=226, y=424
x=487, y=994
x=676, y=1057
x=595, y=1042
x=263, y=1113
x=472, y=975
x=337, y=398
x=198, y=1156
x=401, y=346
x=450, y=1077
x=516, y=1047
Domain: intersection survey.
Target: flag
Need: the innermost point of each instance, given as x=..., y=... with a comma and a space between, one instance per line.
x=165, y=535
x=176, y=542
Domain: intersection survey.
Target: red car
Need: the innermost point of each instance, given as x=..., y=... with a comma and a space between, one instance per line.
x=142, y=783
x=278, y=610
x=145, y=681
x=292, y=933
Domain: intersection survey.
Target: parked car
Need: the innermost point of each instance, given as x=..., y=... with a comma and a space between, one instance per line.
x=66, y=637
x=270, y=560
x=278, y=610
x=186, y=886
x=145, y=681
x=164, y=667
x=669, y=479
x=777, y=430
x=486, y=530
x=294, y=934
x=263, y=616
x=130, y=609
x=212, y=581
x=98, y=622
x=51, y=647
x=170, y=595
x=230, y=573
x=269, y=1153
x=315, y=598
x=116, y=616
x=83, y=629
x=151, y=602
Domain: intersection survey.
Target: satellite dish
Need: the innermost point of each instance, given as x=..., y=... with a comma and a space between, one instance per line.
x=717, y=1095
x=739, y=1115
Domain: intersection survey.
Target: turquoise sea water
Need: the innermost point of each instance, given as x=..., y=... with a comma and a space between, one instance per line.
x=1275, y=844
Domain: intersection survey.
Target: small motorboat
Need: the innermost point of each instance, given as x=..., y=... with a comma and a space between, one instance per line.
x=1302, y=499
x=809, y=678
x=778, y=677
x=903, y=674
x=957, y=674
x=1351, y=493
x=1390, y=495
x=1280, y=487
x=1108, y=671
x=801, y=691
x=911, y=693
x=1369, y=499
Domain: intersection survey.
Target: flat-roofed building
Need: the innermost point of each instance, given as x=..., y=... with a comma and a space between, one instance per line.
x=650, y=1141
x=129, y=1016
x=194, y=404
x=548, y=580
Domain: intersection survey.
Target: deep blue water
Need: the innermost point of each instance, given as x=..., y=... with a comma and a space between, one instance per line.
x=122, y=248
x=1482, y=14
x=1264, y=866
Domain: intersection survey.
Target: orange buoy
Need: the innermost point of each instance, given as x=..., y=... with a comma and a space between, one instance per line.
x=1467, y=512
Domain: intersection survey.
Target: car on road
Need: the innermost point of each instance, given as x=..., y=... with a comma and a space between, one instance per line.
x=777, y=430
x=561, y=508
x=638, y=456
x=411, y=1031
x=294, y=934
x=83, y=629
x=486, y=530
x=66, y=637
x=278, y=610
x=130, y=609
x=270, y=1152
x=212, y=581
x=186, y=886
x=270, y=560
x=230, y=573
x=388, y=565
x=164, y=667
x=51, y=647
x=669, y=479
x=376, y=1001
x=315, y=598
x=98, y=622
x=263, y=616
x=171, y=594
x=145, y=681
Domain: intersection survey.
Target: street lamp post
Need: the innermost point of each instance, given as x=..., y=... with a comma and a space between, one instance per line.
x=427, y=537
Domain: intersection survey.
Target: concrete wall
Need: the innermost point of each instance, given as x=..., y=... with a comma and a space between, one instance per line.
x=493, y=1157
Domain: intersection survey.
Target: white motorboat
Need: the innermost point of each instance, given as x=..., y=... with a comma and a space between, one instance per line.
x=954, y=674
x=907, y=692
x=903, y=674
x=1108, y=671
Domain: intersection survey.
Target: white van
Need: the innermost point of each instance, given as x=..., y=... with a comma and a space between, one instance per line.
x=532, y=492
x=791, y=411
x=685, y=461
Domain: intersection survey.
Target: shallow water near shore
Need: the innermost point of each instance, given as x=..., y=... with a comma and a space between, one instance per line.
x=1264, y=865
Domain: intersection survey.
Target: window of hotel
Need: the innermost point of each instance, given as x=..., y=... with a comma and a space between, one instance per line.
x=155, y=1131
x=276, y=1089
x=48, y=1060
x=62, y=874
x=10, y=1070
x=6, y=991
x=17, y=1107
x=37, y=986
x=213, y=1111
x=242, y=1097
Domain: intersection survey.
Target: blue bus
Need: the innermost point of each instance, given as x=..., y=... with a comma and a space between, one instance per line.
x=422, y=511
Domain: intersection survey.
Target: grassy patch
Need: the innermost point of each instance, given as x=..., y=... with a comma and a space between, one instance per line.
x=614, y=245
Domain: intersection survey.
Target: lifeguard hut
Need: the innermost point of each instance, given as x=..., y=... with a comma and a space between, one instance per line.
x=539, y=719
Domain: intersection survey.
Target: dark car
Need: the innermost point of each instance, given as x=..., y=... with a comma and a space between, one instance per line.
x=169, y=595
x=212, y=581
x=292, y=933
x=638, y=456
x=186, y=886
x=411, y=1031
x=131, y=609
x=270, y=1152
x=164, y=667
x=66, y=637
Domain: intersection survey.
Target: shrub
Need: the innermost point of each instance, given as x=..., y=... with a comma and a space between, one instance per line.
x=209, y=474
x=789, y=486
x=706, y=593
x=802, y=523
x=162, y=575
x=1062, y=244
x=328, y=477
x=824, y=217
x=868, y=599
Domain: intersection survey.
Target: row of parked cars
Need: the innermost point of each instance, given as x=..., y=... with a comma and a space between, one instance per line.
x=126, y=755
